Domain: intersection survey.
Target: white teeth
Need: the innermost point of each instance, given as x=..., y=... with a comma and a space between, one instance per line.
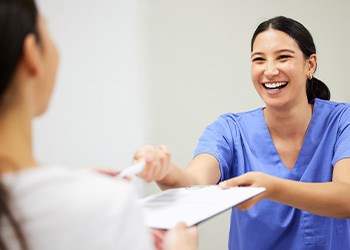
x=274, y=85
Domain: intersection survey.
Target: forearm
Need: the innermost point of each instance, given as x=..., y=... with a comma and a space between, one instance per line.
x=203, y=170
x=178, y=177
x=326, y=199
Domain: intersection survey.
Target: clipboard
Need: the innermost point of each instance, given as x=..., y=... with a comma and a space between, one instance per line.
x=192, y=205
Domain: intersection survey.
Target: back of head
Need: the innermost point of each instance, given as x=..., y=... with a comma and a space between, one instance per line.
x=315, y=88
x=18, y=18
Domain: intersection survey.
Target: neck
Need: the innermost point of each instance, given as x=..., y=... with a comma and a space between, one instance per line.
x=16, y=142
x=289, y=123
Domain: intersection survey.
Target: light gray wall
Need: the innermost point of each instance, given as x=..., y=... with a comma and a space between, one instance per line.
x=98, y=114
x=200, y=68
x=159, y=71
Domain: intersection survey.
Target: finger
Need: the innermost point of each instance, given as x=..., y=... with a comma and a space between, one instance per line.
x=161, y=169
x=193, y=231
x=242, y=180
x=158, y=233
x=181, y=225
x=234, y=182
x=147, y=172
x=141, y=153
x=164, y=160
x=158, y=238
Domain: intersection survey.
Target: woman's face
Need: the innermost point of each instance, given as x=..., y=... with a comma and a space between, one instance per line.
x=279, y=69
x=49, y=58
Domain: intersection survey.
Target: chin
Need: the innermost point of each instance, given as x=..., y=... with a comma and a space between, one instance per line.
x=275, y=103
x=41, y=111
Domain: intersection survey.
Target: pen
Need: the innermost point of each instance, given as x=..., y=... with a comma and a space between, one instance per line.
x=132, y=170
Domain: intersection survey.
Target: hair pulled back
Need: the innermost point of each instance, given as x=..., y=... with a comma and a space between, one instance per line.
x=315, y=88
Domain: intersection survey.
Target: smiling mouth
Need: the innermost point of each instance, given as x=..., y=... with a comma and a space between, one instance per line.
x=275, y=85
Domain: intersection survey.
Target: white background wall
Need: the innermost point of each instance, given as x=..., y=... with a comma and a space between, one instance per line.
x=98, y=112
x=159, y=71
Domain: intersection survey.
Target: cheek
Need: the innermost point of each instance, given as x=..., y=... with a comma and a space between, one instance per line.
x=53, y=62
x=255, y=73
x=291, y=69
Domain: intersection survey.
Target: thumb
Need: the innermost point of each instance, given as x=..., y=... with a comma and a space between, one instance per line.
x=233, y=182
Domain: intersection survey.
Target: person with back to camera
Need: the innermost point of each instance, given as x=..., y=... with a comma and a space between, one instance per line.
x=297, y=147
x=52, y=207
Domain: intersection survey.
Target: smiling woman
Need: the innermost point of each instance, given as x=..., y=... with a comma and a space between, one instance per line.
x=285, y=47
x=297, y=147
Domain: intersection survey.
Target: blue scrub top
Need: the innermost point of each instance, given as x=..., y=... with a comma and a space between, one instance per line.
x=242, y=143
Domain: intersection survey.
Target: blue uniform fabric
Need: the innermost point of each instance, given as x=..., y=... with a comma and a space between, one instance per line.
x=242, y=143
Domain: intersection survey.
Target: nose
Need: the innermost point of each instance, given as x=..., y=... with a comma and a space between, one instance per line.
x=271, y=69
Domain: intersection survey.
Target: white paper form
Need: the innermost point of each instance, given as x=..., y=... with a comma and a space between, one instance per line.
x=192, y=205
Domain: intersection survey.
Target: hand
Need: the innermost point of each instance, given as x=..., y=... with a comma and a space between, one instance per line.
x=157, y=162
x=252, y=179
x=106, y=171
x=181, y=237
x=158, y=238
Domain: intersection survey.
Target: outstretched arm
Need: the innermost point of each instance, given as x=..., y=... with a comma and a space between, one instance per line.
x=203, y=169
x=326, y=199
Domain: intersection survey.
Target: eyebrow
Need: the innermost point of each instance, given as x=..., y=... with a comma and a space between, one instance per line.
x=278, y=51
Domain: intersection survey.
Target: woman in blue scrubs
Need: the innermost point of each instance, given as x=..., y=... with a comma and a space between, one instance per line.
x=297, y=147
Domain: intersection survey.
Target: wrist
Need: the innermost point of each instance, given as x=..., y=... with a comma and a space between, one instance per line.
x=169, y=179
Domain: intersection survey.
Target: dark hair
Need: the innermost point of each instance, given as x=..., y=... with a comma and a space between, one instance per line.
x=18, y=18
x=315, y=88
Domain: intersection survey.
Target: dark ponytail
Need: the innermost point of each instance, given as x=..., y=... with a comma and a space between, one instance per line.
x=18, y=18
x=314, y=87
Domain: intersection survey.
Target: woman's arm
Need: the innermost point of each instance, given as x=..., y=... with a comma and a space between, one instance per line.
x=330, y=199
x=203, y=169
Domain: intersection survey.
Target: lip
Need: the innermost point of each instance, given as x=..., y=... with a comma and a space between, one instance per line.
x=275, y=87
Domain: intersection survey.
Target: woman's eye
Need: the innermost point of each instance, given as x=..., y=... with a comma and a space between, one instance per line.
x=257, y=59
x=283, y=57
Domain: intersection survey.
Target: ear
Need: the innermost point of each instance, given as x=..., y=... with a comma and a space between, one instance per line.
x=31, y=58
x=311, y=65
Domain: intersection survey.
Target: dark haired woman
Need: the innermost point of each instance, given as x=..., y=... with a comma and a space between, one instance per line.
x=297, y=147
x=52, y=207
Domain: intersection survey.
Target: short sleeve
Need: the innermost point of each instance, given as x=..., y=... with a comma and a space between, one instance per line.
x=217, y=140
x=342, y=146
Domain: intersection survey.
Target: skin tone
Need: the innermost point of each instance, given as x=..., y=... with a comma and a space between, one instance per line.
x=276, y=61
x=28, y=97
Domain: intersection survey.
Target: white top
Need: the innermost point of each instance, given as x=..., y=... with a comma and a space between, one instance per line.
x=63, y=209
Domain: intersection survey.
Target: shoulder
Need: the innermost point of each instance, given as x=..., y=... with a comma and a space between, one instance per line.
x=230, y=126
x=64, y=190
x=331, y=104
x=86, y=204
x=62, y=180
x=240, y=121
x=332, y=110
x=240, y=117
